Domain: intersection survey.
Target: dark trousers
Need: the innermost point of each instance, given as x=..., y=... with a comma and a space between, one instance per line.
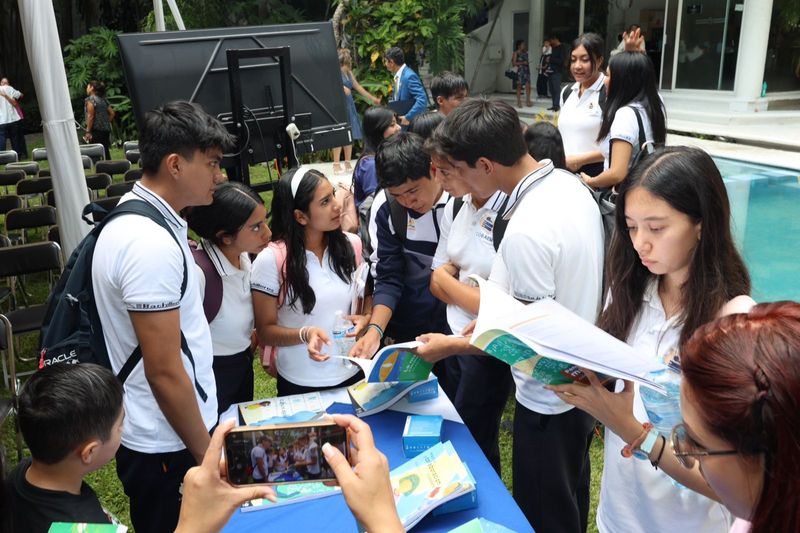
x=551, y=469
x=14, y=132
x=541, y=85
x=152, y=482
x=234, y=377
x=104, y=138
x=554, y=84
x=483, y=388
x=287, y=388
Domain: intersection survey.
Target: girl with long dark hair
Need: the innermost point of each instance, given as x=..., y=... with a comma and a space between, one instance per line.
x=632, y=99
x=296, y=297
x=233, y=226
x=739, y=399
x=379, y=123
x=581, y=106
x=672, y=266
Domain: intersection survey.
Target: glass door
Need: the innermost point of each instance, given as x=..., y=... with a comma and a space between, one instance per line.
x=668, y=43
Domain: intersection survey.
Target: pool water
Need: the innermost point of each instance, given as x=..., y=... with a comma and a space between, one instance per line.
x=765, y=207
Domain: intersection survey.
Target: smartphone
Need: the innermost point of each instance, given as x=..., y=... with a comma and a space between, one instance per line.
x=285, y=453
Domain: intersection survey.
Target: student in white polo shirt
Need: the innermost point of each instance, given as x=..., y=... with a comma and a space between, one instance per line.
x=137, y=275
x=581, y=106
x=231, y=228
x=295, y=308
x=467, y=247
x=552, y=248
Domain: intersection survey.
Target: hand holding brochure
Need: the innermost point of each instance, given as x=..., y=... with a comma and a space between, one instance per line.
x=370, y=398
x=395, y=363
x=549, y=342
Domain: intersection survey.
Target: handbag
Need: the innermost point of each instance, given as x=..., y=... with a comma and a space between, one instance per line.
x=511, y=74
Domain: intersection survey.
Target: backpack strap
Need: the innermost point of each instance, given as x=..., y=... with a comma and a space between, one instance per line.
x=279, y=249
x=500, y=225
x=601, y=97
x=355, y=242
x=566, y=92
x=399, y=217
x=142, y=208
x=212, y=297
x=458, y=203
x=642, y=136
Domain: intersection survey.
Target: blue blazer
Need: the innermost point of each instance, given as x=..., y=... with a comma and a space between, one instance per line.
x=411, y=88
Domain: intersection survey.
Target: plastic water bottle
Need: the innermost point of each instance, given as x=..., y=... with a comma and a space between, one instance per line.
x=341, y=327
x=663, y=411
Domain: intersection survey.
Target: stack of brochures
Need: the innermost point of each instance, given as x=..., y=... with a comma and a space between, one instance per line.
x=283, y=410
x=428, y=481
x=292, y=493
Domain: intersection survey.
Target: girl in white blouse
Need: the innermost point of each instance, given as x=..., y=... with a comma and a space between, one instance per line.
x=233, y=226
x=672, y=267
x=295, y=306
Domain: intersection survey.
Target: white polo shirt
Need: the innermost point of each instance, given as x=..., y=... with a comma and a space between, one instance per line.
x=660, y=505
x=466, y=241
x=8, y=113
x=138, y=267
x=624, y=127
x=552, y=248
x=332, y=295
x=580, y=119
x=233, y=325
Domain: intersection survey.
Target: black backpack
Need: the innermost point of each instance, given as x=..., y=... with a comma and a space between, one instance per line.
x=71, y=330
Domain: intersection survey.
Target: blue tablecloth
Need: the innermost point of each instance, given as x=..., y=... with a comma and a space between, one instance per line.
x=332, y=514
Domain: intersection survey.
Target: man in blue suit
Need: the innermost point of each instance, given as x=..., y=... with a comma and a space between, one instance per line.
x=407, y=85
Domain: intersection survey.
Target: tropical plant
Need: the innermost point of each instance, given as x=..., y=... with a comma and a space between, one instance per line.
x=95, y=56
x=213, y=13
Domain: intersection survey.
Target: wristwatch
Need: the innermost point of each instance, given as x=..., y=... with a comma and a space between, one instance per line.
x=644, y=449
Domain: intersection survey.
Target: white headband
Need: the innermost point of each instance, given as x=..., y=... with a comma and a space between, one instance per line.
x=299, y=174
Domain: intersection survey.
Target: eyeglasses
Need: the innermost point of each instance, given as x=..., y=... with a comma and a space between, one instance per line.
x=685, y=448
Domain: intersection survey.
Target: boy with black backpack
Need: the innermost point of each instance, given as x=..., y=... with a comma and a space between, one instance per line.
x=404, y=232
x=149, y=301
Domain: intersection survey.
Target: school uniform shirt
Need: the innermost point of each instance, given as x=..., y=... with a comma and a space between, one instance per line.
x=138, y=267
x=332, y=294
x=313, y=452
x=33, y=509
x=466, y=241
x=258, y=452
x=232, y=327
x=580, y=118
x=552, y=248
x=660, y=506
x=624, y=127
x=402, y=269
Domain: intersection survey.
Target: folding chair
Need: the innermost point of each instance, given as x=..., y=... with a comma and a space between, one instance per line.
x=9, y=202
x=29, y=188
x=118, y=189
x=131, y=151
x=9, y=405
x=86, y=162
x=31, y=168
x=5, y=289
x=17, y=261
x=134, y=174
x=108, y=203
x=10, y=177
x=39, y=154
x=112, y=168
x=8, y=156
x=95, y=151
x=27, y=218
x=97, y=183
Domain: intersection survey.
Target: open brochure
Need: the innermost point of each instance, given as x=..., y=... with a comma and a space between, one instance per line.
x=548, y=342
x=481, y=525
x=370, y=398
x=283, y=409
x=395, y=363
x=287, y=493
x=427, y=481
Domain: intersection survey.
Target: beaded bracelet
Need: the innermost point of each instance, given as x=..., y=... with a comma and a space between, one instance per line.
x=377, y=328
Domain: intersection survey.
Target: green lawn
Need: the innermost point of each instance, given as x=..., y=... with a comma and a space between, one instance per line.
x=105, y=481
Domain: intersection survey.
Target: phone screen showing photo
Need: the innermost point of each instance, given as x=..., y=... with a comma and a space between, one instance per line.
x=287, y=454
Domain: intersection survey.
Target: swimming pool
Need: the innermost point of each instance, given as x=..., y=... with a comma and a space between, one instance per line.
x=765, y=206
